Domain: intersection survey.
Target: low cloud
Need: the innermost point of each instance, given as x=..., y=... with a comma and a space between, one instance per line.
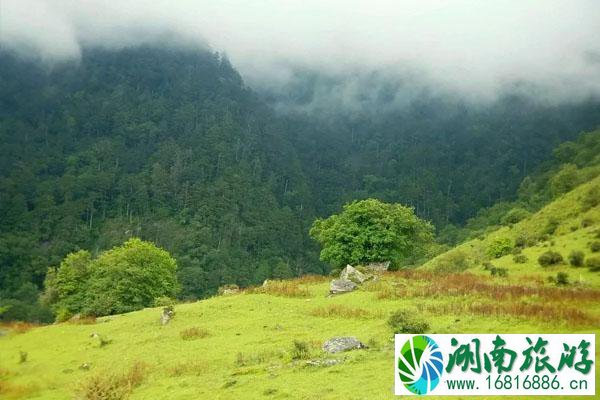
x=473, y=47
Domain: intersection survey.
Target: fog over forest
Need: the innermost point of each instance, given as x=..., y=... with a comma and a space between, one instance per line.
x=478, y=49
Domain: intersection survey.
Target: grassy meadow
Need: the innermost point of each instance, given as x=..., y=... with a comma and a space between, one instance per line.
x=264, y=342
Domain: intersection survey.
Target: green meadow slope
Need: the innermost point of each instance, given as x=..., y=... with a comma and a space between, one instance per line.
x=242, y=345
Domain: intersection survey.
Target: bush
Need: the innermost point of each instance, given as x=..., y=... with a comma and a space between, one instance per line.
x=498, y=271
x=562, y=278
x=595, y=246
x=454, y=261
x=300, y=350
x=591, y=198
x=164, y=301
x=514, y=215
x=587, y=222
x=576, y=258
x=520, y=259
x=499, y=247
x=593, y=263
x=550, y=258
x=524, y=239
x=123, y=279
x=551, y=226
x=403, y=322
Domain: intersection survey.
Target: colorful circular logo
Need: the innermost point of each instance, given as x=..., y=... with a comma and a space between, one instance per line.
x=420, y=364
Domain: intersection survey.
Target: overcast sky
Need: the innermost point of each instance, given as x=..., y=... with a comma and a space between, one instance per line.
x=471, y=46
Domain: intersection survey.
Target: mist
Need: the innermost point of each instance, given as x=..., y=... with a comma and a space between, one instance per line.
x=477, y=49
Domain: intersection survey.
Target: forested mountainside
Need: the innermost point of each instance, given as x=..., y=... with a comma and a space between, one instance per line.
x=172, y=146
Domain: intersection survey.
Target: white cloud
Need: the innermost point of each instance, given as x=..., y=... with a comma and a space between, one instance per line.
x=472, y=46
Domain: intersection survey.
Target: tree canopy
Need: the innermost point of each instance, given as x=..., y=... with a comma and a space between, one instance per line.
x=371, y=231
x=123, y=279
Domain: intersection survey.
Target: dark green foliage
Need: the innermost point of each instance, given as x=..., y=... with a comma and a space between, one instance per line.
x=126, y=278
x=562, y=278
x=498, y=271
x=550, y=258
x=576, y=258
x=300, y=350
x=564, y=180
x=371, y=231
x=499, y=247
x=595, y=246
x=551, y=226
x=520, y=258
x=592, y=197
x=403, y=322
x=524, y=239
x=171, y=146
x=585, y=222
x=593, y=263
x=514, y=215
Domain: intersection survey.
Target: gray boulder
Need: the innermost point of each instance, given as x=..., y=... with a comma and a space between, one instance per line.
x=339, y=344
x=339, y=286
x=352, y=274
x=167, y=315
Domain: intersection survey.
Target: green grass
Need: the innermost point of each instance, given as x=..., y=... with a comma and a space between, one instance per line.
x=242, y=345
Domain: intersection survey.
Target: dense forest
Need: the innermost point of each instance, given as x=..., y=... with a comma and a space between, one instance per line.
x=170, y=145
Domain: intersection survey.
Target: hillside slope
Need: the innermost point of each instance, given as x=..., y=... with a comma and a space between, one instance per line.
x=264, y=342
x=569, y=223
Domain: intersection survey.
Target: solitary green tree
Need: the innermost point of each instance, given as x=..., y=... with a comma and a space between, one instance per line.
x=371, y=231
x=123, y=279
x=130, y=277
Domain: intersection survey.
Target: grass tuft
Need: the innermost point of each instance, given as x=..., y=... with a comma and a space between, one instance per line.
x=194, y=333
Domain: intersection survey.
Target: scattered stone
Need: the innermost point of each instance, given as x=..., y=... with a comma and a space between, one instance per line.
x=352, y=274
x=230, y=289
x=339, y=344
x=378, y=267
x=85, y=366
x=327, y=362
x=339, y=286
x=102, y=341
x=167, y=315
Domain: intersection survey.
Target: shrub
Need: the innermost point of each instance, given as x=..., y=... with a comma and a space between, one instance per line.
x=551, y=226
x=595, y=246
x=593, y=263
x=300, y=350
x=524, y=239
x=164, y=301
x=402, y=322
x=194, y=333
x=499, y=247
x=550, y=258
x=576, y=258
x=514, y=215
x=562, y=278
x=488, y=266
x=520, y=259
x=454, y=261
x=107, y=386
x=587, y=222
x=498, y=271
x=591, y=198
